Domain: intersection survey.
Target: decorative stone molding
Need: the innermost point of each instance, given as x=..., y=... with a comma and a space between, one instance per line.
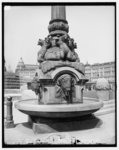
x=58, y=26
x=47, y=66
x=59, y=71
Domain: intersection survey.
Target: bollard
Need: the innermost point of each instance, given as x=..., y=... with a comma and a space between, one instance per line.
x=82, y=95
x=9, y=123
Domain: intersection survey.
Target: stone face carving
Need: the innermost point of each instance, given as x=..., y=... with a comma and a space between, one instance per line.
x=65, y=87
x=37, y=87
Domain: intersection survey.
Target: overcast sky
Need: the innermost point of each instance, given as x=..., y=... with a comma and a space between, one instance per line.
x=92, y=28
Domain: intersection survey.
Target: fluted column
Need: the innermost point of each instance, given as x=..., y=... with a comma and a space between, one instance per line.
x=58, y=12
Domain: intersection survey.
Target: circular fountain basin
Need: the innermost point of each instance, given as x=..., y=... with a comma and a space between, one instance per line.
x=32, y=108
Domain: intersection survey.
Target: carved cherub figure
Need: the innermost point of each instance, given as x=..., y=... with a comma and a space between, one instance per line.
x=63, y=46
x=45, y=44
x=71, y=44
x=67, y=47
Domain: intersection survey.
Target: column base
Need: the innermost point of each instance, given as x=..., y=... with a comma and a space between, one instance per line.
x=9, y=124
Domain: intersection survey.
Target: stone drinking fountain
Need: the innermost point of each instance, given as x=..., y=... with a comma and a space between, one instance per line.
x=60, y=79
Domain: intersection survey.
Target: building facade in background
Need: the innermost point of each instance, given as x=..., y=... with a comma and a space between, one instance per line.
x=102, y=70
x=106, y=70
x=26, y=72
x=11, y=79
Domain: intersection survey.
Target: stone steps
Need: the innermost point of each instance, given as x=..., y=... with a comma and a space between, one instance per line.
x=103, y=112
x=109, y=107
x=109, y=102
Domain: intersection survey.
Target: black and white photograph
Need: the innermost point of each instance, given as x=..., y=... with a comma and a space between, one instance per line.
x=59, y=74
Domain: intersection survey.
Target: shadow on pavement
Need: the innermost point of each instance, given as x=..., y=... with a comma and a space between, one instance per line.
x=62, y=125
